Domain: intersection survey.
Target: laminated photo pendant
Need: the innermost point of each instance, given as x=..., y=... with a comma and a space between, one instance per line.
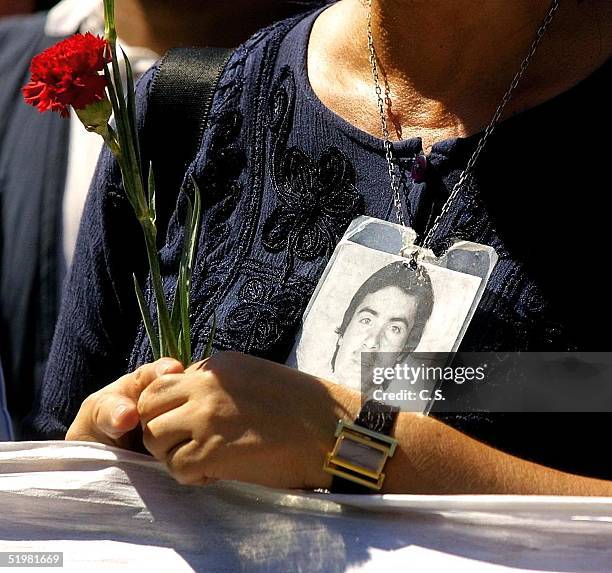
x=387, y=310
x=382, y=300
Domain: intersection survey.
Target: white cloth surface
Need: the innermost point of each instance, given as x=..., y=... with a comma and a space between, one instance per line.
x=111, y=510
x=68, y=17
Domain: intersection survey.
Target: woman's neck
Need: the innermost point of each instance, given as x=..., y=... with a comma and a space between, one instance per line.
x=162, y=24
x=449, y=63
x=437, y=44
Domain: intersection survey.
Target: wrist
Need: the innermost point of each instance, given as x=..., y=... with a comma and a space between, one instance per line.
x=406, y=472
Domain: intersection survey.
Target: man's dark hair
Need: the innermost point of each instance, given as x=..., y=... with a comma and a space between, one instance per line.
x=415, y=283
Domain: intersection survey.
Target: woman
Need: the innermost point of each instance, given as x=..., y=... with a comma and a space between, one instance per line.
x=292, y=155
x=42, y=194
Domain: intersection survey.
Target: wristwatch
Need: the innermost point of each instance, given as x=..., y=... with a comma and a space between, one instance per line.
x=362, y=450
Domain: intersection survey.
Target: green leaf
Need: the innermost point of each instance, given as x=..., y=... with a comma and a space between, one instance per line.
x=182, y=283
x=117, y=80
x=167, y=336
x=112, y=94
x=151, y=194
x=186, y=254
x=111, y=90
x=192, y=227
x=211, y=337
x=182, y=290
x=148, y=322
x=131, y=169
x=185, y=325
x=118, y=84
x=131, y=104
x=194, y=224
x=175, y=314
x=163, y=350
x=128, y=185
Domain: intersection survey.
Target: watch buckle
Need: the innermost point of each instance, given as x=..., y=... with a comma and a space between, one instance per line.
x=359, y=455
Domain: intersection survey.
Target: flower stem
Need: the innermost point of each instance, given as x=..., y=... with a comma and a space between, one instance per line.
x=167, y=334
x=110, y=34
x=110, y=138
x=123, y=145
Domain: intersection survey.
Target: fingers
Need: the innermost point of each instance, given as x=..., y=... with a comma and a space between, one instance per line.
x=116, y=411
x=166, y=432
x=183, y=462
x=114, y=415
x=164, y=394
x=169, y=438
x=132, y=385
x=173, y=414
x=200, y=365
x=112, y=412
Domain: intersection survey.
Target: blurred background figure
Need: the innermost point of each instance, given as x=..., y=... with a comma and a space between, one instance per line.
x=46, y=163
x=8, y=7
x=16, y=7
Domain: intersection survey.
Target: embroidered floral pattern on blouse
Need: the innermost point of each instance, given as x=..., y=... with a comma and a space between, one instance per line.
x=317, y=199
x=220, y=188
x=264, y=315
x=225, y=162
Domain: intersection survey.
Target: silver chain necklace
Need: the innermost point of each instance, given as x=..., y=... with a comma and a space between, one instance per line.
x=467, y=172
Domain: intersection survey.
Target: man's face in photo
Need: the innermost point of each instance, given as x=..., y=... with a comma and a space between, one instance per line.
x=380, y=324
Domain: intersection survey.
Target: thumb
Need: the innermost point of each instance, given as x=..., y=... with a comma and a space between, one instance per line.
x=115, y=416
x=116, y=413
x=124, y=417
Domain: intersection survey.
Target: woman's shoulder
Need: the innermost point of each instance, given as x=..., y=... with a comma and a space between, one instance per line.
x=241, y=76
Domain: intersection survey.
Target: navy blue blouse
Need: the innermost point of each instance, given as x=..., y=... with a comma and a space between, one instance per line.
x=281, y=178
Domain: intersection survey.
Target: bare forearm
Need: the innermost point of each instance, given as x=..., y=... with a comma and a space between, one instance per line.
x=433, y=458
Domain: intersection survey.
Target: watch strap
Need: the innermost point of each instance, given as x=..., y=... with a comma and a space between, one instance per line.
x=377, y=417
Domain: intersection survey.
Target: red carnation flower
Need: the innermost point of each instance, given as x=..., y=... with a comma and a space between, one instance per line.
x=67, y=74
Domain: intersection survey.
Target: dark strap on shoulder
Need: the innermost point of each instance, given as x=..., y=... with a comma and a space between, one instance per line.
x=177, y=113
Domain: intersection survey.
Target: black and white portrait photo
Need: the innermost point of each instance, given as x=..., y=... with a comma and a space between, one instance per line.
x=371, y=311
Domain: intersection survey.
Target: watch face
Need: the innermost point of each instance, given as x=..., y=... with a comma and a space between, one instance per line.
x=360, y=455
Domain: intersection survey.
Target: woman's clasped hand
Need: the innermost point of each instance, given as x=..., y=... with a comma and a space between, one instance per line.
x=228, y=417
